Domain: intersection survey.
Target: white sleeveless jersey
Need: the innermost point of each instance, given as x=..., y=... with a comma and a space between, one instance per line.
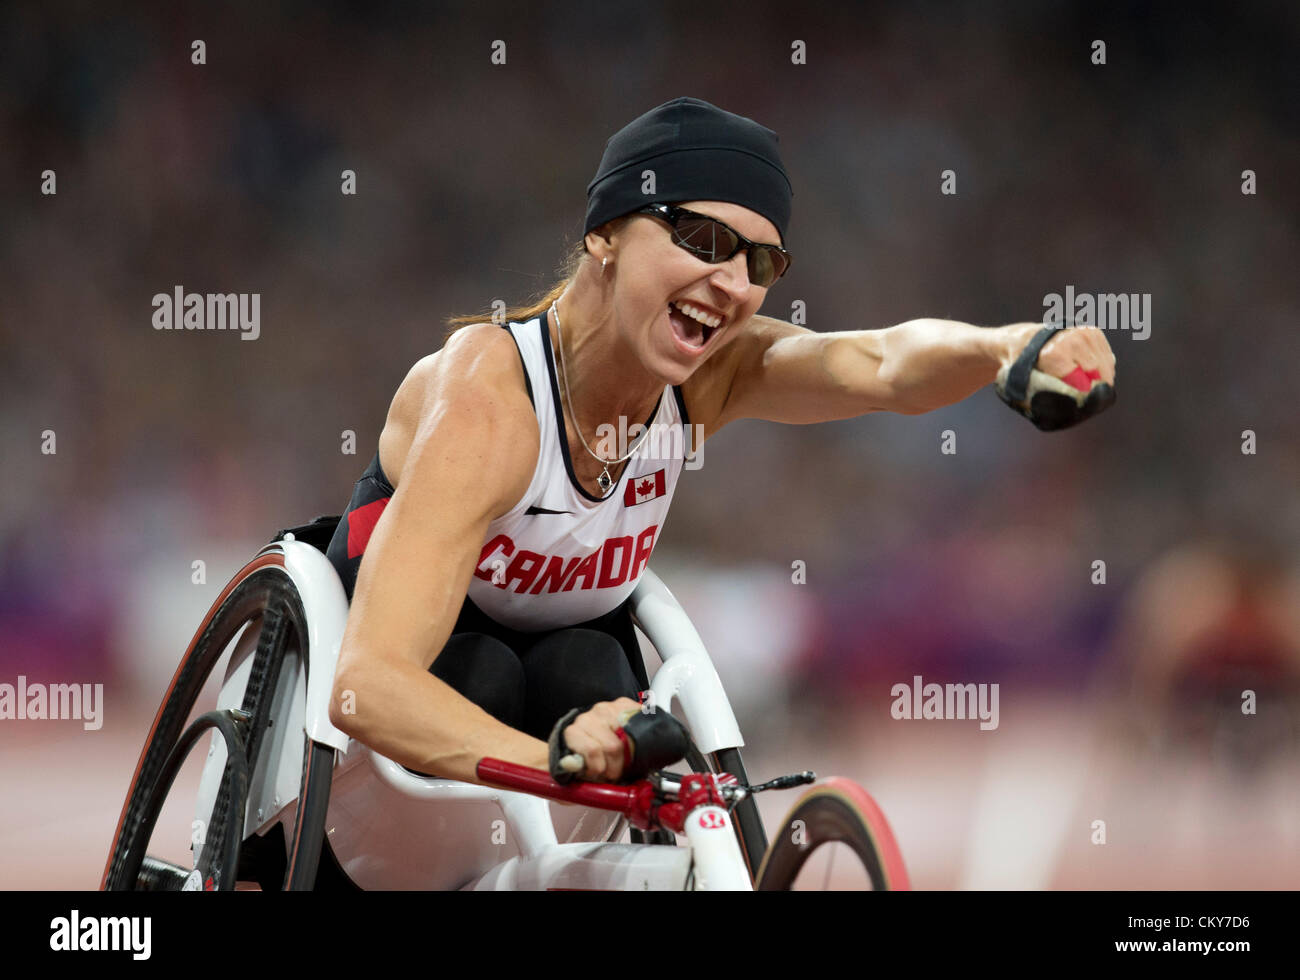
x=561, y=555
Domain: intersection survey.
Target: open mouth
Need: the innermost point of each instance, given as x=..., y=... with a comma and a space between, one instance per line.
x=690, y=331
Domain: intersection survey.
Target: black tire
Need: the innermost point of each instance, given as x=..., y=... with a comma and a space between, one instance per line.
x=749, y=825
x=261, y=590
x=838, y=811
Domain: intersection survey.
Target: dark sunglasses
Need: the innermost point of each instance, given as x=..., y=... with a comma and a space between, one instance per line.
x=715, y=242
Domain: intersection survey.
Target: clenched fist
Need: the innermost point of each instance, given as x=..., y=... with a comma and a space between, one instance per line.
x=1061, y=376
x=615, y=741
x=593, y=734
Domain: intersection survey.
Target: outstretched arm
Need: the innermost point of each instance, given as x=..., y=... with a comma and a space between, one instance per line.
x=786, y=373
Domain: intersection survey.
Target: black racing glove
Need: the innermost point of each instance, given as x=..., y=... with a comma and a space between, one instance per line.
x=656, y=738
x=1049, y=402
x=559, y=749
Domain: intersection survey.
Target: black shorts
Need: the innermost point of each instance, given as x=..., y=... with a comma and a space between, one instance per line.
x=527, y=680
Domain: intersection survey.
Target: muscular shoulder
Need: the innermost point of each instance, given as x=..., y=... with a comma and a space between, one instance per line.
x=474, y=385
x=708, y=392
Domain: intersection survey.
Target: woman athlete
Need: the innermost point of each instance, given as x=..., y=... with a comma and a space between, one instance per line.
x=502, y=535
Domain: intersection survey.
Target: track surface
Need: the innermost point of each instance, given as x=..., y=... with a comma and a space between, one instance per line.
x=1012, y=809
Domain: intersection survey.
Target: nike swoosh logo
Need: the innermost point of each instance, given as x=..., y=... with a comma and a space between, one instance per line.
x=543, y=510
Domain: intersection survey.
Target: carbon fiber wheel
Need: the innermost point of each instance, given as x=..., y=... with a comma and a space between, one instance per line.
x=834, y=838
x=258, y=618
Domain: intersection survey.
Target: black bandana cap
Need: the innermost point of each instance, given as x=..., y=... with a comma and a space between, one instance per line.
x=698, y=152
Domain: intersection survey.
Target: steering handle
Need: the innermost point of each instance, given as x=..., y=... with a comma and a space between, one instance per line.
x=651, y=740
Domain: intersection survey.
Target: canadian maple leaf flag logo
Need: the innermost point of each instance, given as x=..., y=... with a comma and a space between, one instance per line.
x=644, y=488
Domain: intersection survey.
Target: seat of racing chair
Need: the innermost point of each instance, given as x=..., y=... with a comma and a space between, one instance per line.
x=318, y=533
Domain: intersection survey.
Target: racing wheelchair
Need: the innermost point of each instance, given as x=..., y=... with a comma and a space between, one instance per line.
x=286, y=801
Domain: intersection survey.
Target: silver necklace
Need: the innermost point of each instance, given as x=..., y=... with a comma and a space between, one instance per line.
x=605, y=480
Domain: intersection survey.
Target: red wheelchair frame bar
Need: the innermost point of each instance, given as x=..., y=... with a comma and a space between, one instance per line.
x=637, y=801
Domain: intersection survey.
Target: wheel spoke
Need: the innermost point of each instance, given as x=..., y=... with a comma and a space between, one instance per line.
x=256, y=705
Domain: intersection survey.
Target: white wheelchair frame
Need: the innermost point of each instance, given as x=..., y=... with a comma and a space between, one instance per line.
x=390, y=828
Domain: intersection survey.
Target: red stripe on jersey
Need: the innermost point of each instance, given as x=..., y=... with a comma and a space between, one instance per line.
x=361, y=524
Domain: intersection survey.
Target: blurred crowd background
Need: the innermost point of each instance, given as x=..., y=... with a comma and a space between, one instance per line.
x=177, y=446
